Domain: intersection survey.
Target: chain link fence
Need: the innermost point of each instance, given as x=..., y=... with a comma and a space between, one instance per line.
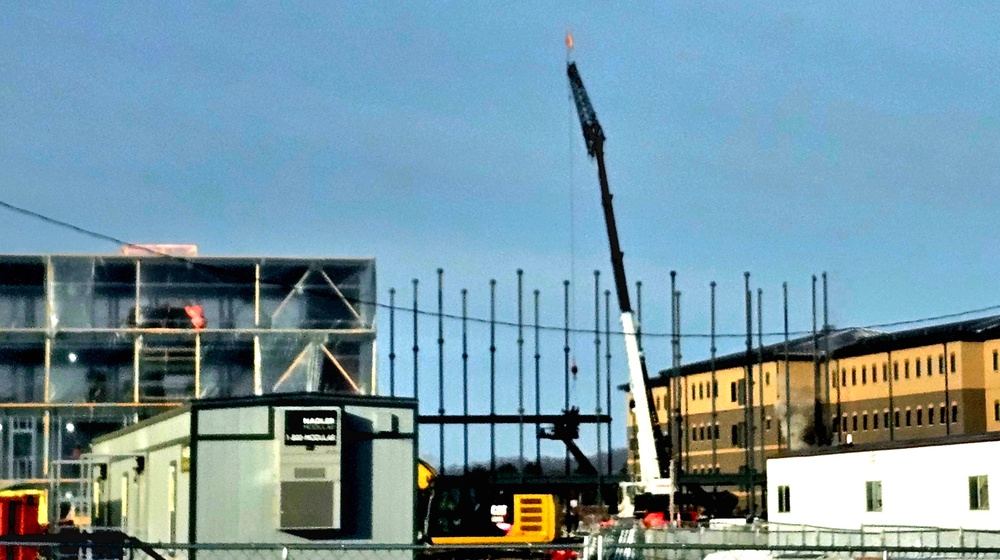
x=752, y=542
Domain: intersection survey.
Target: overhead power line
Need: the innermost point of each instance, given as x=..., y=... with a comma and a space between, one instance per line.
x=217, y=272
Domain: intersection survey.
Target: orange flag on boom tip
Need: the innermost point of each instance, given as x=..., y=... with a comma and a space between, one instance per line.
x=569, y=40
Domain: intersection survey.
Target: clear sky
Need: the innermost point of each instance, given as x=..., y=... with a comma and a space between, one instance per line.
x=858, y=138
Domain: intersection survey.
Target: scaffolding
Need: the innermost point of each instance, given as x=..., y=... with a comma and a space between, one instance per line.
x=92, y=343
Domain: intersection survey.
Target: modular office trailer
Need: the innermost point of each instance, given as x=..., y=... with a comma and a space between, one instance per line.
x=270, y=469
x=941, y=482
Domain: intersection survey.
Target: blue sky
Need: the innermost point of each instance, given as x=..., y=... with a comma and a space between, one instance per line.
x=784, y=139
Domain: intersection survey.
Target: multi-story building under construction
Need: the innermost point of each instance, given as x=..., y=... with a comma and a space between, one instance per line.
x=91, y=343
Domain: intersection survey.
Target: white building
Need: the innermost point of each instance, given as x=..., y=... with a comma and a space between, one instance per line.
x=269, y=469
x=932, y=483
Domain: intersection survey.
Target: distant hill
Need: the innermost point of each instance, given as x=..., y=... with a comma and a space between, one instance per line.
x=552, y=464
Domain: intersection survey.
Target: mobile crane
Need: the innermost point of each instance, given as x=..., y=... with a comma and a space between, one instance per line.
x=655, y=466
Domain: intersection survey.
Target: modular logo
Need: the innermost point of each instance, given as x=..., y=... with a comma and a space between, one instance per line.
x=311, y=427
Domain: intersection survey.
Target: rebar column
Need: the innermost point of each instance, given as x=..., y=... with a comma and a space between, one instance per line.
x=520, y=369
x=748, y=435
x=416, y=347
x=392, y=342
x=440, y=343
x=826, y=355
x=566, y=355
x=788, y=377
x=715, y=383
x=760, y=372
x=818, y=432
x=597, y=376
x=538, y=385
x=465, y=378
x=607, y=371
x=493, y=377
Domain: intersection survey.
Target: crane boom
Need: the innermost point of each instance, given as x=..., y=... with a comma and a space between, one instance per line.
x=654, y=457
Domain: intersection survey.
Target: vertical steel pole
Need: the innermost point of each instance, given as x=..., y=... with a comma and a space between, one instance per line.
x=760, y=384
x=688, y=426
x=818, y=431
x=440, y=343
x=465, y=378
x=597, y=378
x=392, y=342
x=748, y=402
x=566, y=356
x=675, y=395
x=538, y=385
x=607, y=372
x=416, y=346
x=715, y=384
x=826, y=353
x=788, y=377
x=520, y=369
x=493, y=377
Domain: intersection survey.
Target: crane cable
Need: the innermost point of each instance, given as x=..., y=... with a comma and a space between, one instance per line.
x=572, y=225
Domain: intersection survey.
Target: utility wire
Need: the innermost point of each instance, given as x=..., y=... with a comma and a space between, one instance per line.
x=218, y=271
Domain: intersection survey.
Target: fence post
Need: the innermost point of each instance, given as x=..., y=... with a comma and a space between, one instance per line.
x=600, y=547
x=961, y=538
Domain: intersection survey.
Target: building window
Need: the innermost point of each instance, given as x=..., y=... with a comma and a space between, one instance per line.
x=996, y=410
x=874, y=374
x=909, y=417
x=952, y=358
x=715, y=389
x=716, y=431
x=785, y=502
x=854, y=422
x=875, y=420
x=657, y=402
x=906, y=369
x=885, y=372
x=833, y=378
x=942, y=415
x=732, y=391
x=979, y=493
x=895, y=371
x=930, y=369
x=996, y=361
x=941, y=363
x=694, y=392
x=854, y=376
x=916, y=365
x=843, y=378
x=920, y=416
x=864, y=421
x=835, y=422
x=873, y=495
x=701, y=432
x=864, y=375
x=930, y=415
x=954, y=412
x=736, y=435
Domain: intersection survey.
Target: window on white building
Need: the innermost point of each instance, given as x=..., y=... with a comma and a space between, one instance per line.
x=784, y=499
x=979, y=494
x=873, y=495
